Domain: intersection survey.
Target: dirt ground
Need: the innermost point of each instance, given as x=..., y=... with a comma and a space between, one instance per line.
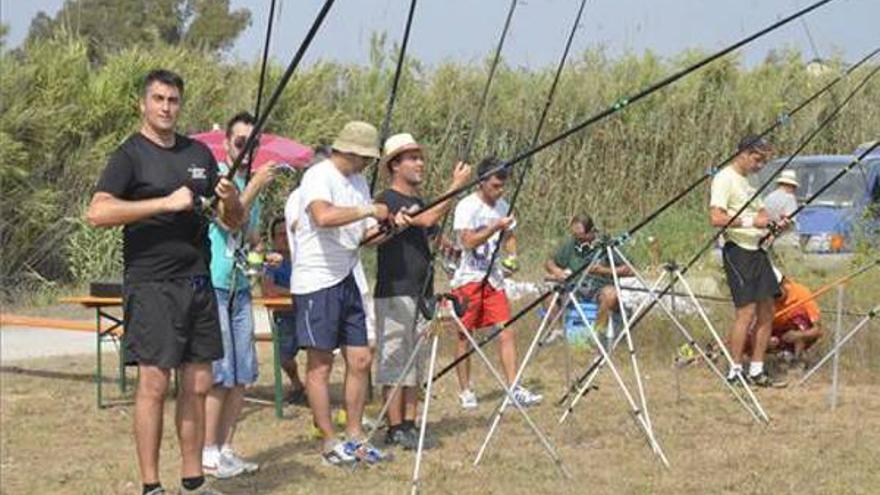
x=55, y=440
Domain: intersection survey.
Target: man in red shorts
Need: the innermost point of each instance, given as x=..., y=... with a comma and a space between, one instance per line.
x=481, y=222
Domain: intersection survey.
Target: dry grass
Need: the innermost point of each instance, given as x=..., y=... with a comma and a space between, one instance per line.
x=55, y=441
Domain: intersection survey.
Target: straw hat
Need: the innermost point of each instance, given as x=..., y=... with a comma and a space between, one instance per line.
x=788, y=177
x=358, y=138
x=398, y=144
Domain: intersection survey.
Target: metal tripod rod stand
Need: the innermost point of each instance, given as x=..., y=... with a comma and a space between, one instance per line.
x=599, y=361
x=846, y=338
x=670, y=312
x=434, y=329
x=640, y=387
x=546, y=322
x=702, y=312
x=499, y=411
x=551, y=451
x=634, y=407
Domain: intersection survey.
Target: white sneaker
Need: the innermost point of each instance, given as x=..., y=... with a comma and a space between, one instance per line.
x=525, y=397
x=220, y=467
x=247, y=467
x=468, y=399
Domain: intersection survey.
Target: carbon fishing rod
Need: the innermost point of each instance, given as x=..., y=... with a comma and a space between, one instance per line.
x=261, y=82
x=783, y=120
x=815, y=295
x=392, y=95
x=617, y=106
x=708, y=245
x=831, y=182
x=251, y=142
x=484, y=97
x=545, y=111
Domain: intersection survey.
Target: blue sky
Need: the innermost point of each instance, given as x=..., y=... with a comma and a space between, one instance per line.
x=467, y=30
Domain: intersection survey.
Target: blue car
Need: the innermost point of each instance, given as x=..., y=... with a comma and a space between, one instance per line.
x=849, y=211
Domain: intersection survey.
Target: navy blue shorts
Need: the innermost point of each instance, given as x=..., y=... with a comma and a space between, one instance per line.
x=331, y=318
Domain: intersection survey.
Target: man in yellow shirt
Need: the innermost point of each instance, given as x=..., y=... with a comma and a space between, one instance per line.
x=749, y=272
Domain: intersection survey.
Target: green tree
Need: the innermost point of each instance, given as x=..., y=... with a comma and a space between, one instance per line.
x=113, y=25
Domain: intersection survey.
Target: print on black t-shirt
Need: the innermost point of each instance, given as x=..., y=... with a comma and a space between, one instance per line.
x=168, y=245
x=404, y=260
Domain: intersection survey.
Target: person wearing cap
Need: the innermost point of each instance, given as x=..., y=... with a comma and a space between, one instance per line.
x=404, y=271
x=782, y=202
x=481, y=222
x=747, y=267
x=335, y=214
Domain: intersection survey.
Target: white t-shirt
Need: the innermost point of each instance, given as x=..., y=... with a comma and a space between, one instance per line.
x=472, y=213
x=292, y=211
x=325, y=256
x=780, y=202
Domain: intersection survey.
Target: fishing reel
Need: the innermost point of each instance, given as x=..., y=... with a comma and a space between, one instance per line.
x=250, y=263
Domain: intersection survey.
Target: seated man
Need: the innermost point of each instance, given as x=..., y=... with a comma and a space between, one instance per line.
x=796, y=324
x=576, y=252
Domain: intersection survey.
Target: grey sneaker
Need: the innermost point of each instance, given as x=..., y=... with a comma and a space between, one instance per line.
x=247, y=467
x=205, y=489
x=221, y=468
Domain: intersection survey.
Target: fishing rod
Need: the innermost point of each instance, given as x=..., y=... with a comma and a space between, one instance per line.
x=819, y=292
x=617, y=106
x=545, y=111
x=852, y=164
x=484, y=97
x=708, y=245
x=392, y=95
x=614, y=108
x=208, y=204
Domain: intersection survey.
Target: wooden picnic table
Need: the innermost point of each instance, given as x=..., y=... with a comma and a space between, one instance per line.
x=113, y=331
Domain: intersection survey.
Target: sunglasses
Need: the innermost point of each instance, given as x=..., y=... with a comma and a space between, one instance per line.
x=240, y=141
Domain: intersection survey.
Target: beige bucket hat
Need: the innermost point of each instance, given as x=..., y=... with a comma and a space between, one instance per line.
x=358, y=138
x=788, y=177
x=397, y=144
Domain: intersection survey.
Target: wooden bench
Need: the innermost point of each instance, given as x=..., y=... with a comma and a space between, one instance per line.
x=109, y=328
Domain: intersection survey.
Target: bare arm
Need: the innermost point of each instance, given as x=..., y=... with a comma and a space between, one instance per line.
x=554, y=270
x=718, y=217
x=106, y=210
x=326, y=215
x=460, y=176
x=510, y=243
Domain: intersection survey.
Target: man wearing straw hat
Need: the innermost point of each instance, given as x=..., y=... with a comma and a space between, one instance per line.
x=404, y=271
x=782, y=202
x=336, y=213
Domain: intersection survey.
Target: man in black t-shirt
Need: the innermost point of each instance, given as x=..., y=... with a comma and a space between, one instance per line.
x=404, y=271
x=169, y=307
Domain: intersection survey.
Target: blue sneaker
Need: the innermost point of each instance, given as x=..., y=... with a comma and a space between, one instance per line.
x=365, y=452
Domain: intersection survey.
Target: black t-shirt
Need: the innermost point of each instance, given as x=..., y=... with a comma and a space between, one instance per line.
x=404, y=260
x=168, y=245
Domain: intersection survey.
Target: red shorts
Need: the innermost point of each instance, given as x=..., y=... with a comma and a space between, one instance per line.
x=482, y=310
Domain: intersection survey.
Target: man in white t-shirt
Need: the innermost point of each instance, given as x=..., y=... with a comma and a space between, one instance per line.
x=482, y=220
x=335, y=213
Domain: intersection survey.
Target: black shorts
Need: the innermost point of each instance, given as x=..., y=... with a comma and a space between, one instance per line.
x=171, y=322
x=749, y=275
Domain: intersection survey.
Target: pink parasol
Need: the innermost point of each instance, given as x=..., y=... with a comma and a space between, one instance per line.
x=272, y=148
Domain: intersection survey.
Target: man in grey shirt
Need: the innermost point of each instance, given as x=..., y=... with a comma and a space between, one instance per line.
x=782, y=201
